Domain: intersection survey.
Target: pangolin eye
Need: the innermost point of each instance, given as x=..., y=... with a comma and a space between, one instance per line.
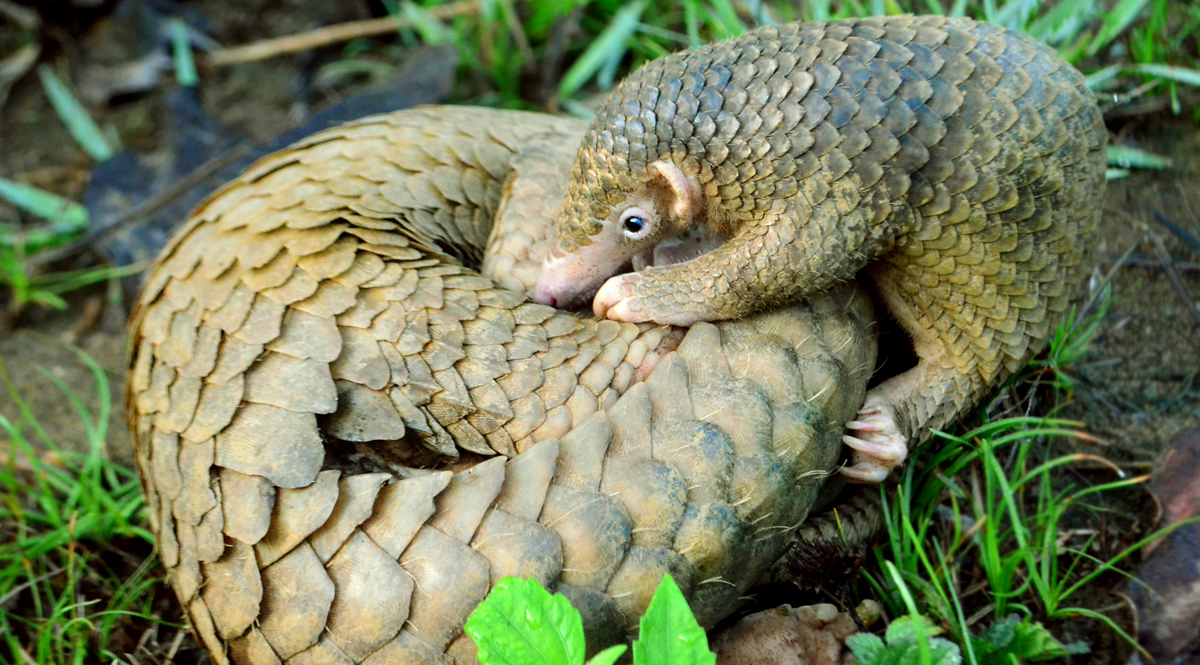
x=635, y=223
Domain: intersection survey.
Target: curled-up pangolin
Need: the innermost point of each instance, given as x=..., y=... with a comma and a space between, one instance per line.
x=960, y=164
x=347, y=435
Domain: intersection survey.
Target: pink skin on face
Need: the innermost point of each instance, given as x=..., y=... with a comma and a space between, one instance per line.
x=567, y=281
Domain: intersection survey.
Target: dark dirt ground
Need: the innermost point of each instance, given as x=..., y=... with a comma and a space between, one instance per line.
x=1135, y=390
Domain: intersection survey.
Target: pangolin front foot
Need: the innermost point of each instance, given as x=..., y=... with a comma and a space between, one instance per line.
x=619, y=300
x=878, y=444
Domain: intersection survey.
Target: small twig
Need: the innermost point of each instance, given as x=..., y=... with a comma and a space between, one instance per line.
x=1153, y=105
x=15, y=591
x=331, y=34
x=22, y=16
x=1143, y=261
x=1168, y=265
x=174, y=647
x=1176, y=229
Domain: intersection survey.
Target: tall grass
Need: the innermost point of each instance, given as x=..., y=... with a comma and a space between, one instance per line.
x=76, y=567
x=583, y=46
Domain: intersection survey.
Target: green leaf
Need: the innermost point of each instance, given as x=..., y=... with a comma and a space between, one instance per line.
x=865, y=646
x=520, y=623
x=611, y=39
x=608, y=656
x=905, y=646
x=1010, y=640
x=83, y=129
x=670, y=634
x=1032, y=642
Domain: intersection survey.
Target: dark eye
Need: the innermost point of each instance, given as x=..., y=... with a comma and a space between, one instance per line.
x=635, y=223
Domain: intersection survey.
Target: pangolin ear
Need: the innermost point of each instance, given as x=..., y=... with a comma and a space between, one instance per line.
x=685, y=194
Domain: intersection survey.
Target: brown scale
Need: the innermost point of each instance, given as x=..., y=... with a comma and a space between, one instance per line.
x=346, y=436
x=959, y=165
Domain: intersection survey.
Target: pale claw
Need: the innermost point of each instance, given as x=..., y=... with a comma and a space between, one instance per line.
x=878, y=444
x=610, y=301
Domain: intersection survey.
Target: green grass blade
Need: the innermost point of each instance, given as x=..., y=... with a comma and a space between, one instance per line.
x=72, y=217
x=83, y=129
x=181, y=52
x=1122, y=15
x=1171, y=72
x=597, y=53
x=1063, y=22
x=691, y=22
x=1134, y=158
x=431, y=30
x=724, y=18
x=1015, y=13
x=818, y=10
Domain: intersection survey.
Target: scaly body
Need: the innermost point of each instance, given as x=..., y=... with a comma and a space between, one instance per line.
x=306, y=339
x=959, y=164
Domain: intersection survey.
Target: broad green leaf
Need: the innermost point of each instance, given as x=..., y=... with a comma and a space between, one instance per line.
x=1115, y=23
x=520, y=623
x=1010, y=640
x=865, y=646
x=1033, y=642
x=83, y=129
x=903, y=646
x=910, y=628
x=669, y=632
x=611, y=39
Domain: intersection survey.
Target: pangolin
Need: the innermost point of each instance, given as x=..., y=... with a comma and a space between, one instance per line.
x=958, y=164
x=347, y=436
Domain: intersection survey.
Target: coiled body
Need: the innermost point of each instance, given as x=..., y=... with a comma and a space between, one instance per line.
x=346, y=436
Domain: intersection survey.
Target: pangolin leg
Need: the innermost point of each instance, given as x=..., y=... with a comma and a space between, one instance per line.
x=898, y=413
x=878, y=444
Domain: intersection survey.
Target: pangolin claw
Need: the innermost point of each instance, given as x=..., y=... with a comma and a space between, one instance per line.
x=617, y=301
x=878, y=444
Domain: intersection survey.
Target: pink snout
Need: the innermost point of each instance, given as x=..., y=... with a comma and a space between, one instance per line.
x=547, y=292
